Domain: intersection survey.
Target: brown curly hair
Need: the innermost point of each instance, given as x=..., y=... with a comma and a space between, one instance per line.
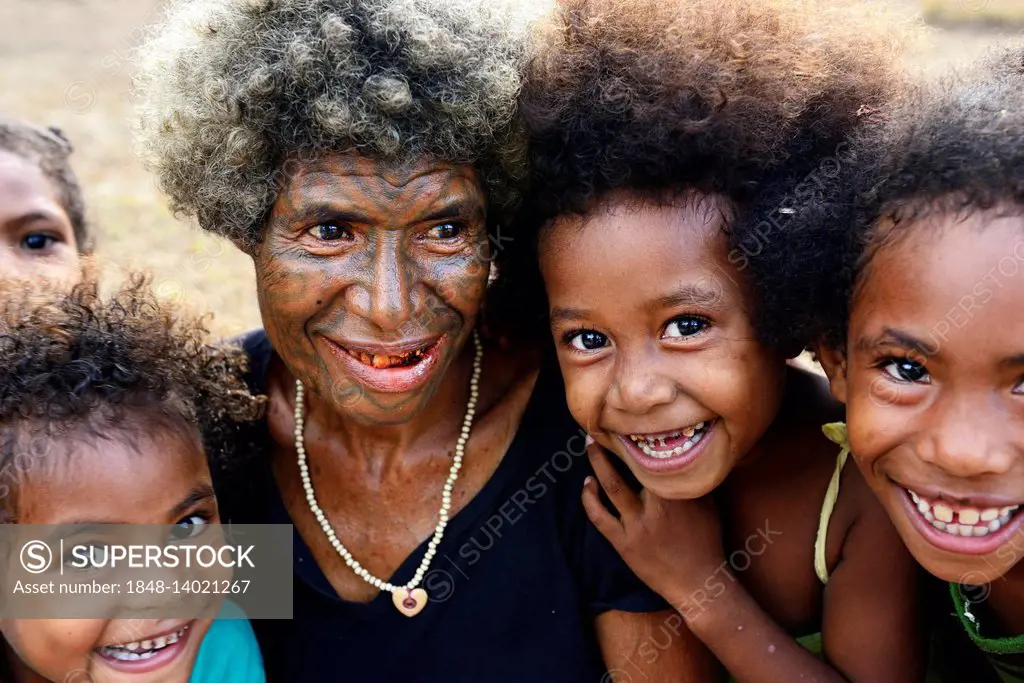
x=954, y=146
x=231, y=91
x=83, y=364
x=736, y=98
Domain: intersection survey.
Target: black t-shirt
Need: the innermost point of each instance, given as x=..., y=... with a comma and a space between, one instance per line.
x=513, y=589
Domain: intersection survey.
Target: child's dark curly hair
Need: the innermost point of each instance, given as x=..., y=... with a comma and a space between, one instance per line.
x=50, y=151
x=83, y=364
x=955, y=146
x=738, y=98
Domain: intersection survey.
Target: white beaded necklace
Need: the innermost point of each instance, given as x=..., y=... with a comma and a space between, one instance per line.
x=408, y=599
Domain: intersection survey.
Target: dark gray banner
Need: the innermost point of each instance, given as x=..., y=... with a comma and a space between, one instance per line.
x=120, y=571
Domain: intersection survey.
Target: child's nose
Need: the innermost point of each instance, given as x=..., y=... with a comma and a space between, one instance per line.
x=969, y=443
x=640, y=388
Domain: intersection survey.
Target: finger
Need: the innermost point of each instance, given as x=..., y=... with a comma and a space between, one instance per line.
x=624, y=500
x=607, y=523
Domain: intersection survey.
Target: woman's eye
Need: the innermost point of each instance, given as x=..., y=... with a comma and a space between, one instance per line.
x=686, y=326
x=329, y=232
x=189, y=527
x=905, y=370
x=444, y=231
x=37, y=241
x=588, y=340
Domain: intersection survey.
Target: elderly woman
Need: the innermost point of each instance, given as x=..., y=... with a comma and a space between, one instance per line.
x=364, y=154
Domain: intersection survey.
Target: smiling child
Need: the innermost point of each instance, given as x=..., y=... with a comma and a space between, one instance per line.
x=102, y=405
x=669, y=142
x=918, y=294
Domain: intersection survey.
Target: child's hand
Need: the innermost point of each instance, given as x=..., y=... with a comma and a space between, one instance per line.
x=674, y=546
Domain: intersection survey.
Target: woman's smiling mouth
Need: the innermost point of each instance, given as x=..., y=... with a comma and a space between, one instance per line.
x=669, y=451
x=389, y=368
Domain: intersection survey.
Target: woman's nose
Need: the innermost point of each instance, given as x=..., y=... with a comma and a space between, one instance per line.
x=639, y=387
x=390, y=305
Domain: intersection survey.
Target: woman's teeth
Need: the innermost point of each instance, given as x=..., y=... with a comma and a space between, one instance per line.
x=658, y=446
x=141, y=649
x=380, y=360
x=966, y=521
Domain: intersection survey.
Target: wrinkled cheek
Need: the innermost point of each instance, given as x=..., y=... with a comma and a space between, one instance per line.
x=460, y=288
x=286, y=299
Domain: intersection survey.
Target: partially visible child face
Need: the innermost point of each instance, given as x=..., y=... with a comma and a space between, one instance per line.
x=651, y=321
x=934, y=387
x=112, y=482
x=36, y=236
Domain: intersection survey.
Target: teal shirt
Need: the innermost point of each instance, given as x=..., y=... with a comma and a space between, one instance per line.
x=229, y=653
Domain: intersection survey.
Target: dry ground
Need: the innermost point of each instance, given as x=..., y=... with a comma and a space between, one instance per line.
x=65, y=62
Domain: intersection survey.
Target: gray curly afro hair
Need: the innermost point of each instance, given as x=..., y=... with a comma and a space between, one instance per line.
x=232, y=93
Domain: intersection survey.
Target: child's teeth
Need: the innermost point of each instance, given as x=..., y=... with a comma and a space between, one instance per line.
x=137, y=650
x=969, y=521
x=942, y=513
x=969, y=516
x=688, y=432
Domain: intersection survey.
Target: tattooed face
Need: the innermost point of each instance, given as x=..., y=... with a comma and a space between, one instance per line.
x=370, y=277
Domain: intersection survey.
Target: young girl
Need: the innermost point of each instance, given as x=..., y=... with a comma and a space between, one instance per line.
x=918, y=296
x=42, y=217
x=102, y=403
x=669, y=142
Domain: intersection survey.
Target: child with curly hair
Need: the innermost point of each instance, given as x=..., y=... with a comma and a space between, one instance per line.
x=109, y=407
x=915, y=288
x=669, y=143
x=42, y=217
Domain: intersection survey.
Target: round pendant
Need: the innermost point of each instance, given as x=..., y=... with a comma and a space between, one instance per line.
x=410, y=602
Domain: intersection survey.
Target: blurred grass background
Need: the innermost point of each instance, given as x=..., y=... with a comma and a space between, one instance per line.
x=67, y=63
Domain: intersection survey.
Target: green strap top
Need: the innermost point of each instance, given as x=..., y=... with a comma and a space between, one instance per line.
x=836, y=433
x=995, y=648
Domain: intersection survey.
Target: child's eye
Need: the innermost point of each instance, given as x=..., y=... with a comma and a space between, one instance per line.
x=686, y=326
x=445, y=231
x=189, y=527
x=1019, y=389
x=37, y=241
x=905, y=370
x=329, y=232
x=587, y=340
x=87, y=557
